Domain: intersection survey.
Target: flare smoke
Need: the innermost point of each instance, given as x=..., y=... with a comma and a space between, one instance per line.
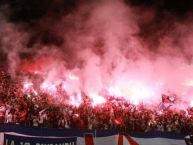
x=128, y=49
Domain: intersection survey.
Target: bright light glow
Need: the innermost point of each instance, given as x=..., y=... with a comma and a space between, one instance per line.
x=48, y=86
x=140, y=93
x=75, y=100
x=114, y=91
x=135, y=92
x=27, y=85
x=189, y=83
x=72, y=77
x=160, y=112
x=97, y=99
x=191, y=103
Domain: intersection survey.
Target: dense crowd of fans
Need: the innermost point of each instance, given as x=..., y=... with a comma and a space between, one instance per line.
x=35, y=110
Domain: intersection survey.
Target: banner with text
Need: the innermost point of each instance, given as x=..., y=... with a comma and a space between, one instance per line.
x=10, y=139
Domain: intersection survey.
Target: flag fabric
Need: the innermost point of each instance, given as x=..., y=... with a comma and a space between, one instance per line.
x=167, y=101
x=119, y=139
x=168, y=98
x=20, y=135
x=159, y=138
x=163, y=106
x=18, y=139
x=125, y=139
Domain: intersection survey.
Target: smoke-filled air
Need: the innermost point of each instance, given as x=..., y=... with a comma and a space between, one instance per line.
x=99, y=48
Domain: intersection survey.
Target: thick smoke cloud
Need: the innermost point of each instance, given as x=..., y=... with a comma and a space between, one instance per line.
x=135, y=49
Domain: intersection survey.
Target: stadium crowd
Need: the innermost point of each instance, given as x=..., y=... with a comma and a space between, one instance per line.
x=35, y=110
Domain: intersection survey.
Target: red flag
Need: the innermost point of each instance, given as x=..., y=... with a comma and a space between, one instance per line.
x=89, y=139
x=129, y=139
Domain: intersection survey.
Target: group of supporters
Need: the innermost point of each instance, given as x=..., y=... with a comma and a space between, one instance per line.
x=116, y=113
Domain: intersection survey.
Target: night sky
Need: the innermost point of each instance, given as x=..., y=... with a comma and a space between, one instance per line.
x=155, y=20
x=29, y=13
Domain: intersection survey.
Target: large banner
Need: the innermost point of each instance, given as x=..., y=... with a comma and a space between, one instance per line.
x=119, y=139
x=21, y=135
x=10, y=139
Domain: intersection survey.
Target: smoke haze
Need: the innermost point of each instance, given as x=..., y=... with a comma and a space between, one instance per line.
x=132, y=49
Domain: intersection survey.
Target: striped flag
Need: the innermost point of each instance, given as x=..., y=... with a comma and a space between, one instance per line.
x=120, y=139
x=20, y=135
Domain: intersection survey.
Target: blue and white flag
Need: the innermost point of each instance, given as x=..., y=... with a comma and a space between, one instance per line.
x=20, y=135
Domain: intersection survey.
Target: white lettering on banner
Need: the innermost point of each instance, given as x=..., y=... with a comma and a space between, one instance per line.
x=6, y=142
x=12, y=142
x=72, y=143
x=26, y=143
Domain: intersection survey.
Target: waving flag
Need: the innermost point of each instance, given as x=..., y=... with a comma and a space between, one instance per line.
x=167, y=101
x=168, y=98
